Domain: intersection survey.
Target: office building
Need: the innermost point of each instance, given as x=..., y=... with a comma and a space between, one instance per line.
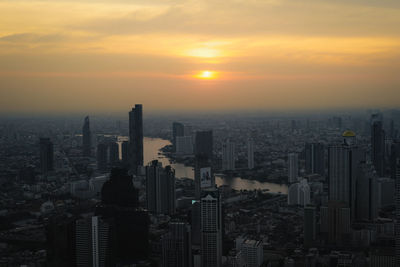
x=46, y=156
x=397, y=204
x=366, y=193
x=113, y=155
x=125, y=153
x=211, y=228
x=335, y=223
x=184, y=145
x=203, y=174
x=250, y=154
x=102, y=156
x=310, y=226
x=86, y=138
x=178, y=129
x=299, y=193
x=343, y=161
x=315, y=158
x=378, y=144
x=204, y=143
x=92, y=242
x=386, y=190
x=176, y=246
x=160, y=188
x=251, y=251
x=136, y=138
x=228, y=156
x=293, y=167
x=394, y=155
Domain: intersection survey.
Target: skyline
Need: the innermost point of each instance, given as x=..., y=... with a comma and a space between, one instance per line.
x=272, y=55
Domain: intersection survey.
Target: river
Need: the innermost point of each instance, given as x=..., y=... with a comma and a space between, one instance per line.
x=151, y=149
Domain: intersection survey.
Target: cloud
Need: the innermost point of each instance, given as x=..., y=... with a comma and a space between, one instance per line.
x=32, y=38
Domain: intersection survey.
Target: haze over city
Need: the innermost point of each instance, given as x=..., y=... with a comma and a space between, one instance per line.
x=99, y=56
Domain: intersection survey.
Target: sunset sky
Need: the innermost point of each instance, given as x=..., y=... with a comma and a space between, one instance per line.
x=96, y=56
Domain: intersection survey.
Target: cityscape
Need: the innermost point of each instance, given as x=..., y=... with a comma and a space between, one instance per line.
x=199, y=133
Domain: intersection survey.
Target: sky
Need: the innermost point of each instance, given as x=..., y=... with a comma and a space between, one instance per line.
x=105, y=56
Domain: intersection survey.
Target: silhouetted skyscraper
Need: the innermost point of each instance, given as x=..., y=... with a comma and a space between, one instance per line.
x=178, y=129
x=366, y=193
x=86, y=138
x=310, y=226
x=125, y=152
x=92, y=242
x=113, y=154
x=160, y=188
x=228, y=155
x=315, y=158
x=204, y=143
x=378, y=143
x=293, y=167
x=136, y=137
x=203, y=174
x=102, y=156
x=343, y=162
x=176, y=246
x=211, y=228
x=46, y=155
x=397, y=202
x=250, y=154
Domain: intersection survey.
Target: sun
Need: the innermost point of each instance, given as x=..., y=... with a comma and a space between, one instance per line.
x=207, y=75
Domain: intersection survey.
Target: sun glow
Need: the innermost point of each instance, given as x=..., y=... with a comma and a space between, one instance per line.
x=207, y=75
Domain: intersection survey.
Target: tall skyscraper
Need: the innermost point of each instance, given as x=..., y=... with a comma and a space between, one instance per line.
x=113, y=155
x=228, y=155
x=343, y=160
x=211, y=228
x=184, y=145
x=102, y=156
x=176, y=246
x=394, y=155
x=315, y=158
x=250, y=154
x=86, y=138
x=335, y=222
x=366, y=193
x=293, y=167
x=92, y=242
x=310, y=226
x=178, y=129
x=203, y=174
x=251, y=251
x=378, y=144
x=46, y=155
x=160, y=188
x=204, y=143
x=299, y=193
x=125, y=153
x=136, y=137
x=397, y=202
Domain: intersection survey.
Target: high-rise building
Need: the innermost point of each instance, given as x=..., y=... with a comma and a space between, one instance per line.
x=184, y=145
x=46, y=155
x=211, y=228
x=293, y=167
x=397, y=225
x=176, y=246
x=113, y=155
x=343, y=161
x=335, y=222
x=386, y=192
x=86, y=138
x=125, y=153
x=315, y=158
x=160, y=188
x=299, y=193
x=92, y=242
x=251, y=251
x=250, y=154
x=394, y=155
x=310, y=226
x=204, y=143
x=378, y=144
x=136, y=137
x=178, y=129
x=102, y=156
x=228, y=155
x=366, y=193
x=203, y=174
